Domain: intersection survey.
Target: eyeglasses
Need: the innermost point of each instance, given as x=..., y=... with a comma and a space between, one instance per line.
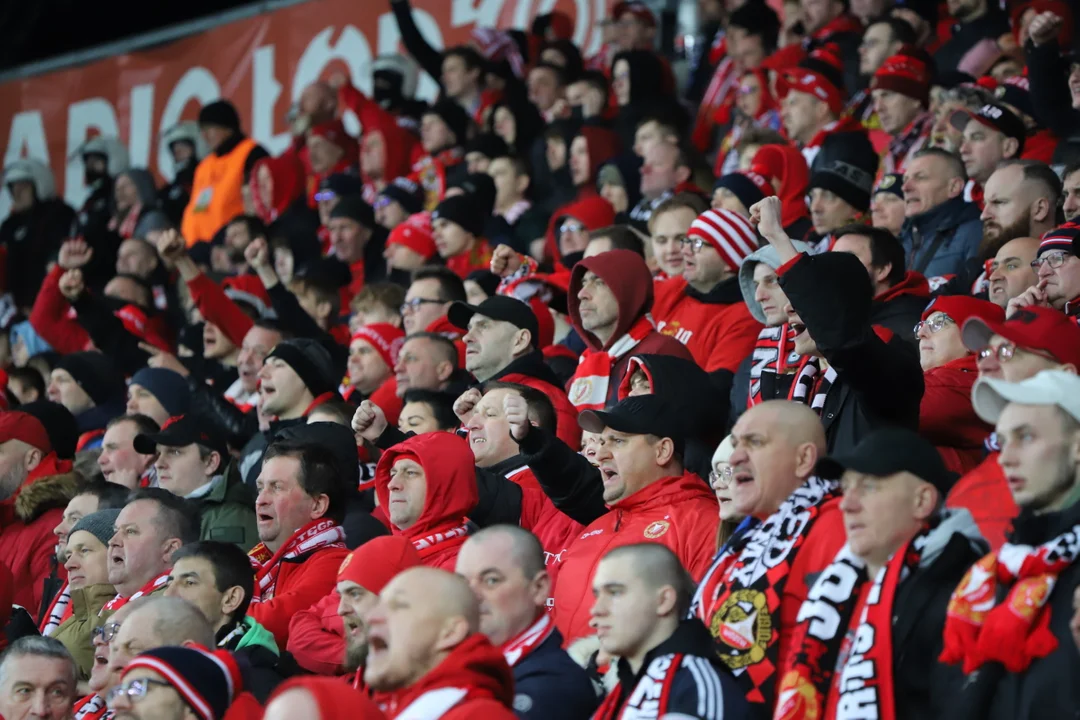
x=723, y=477
x=106, y=632
x=135, y=689
x=1053, y=259
x=694, y=243
x=411, y=306
x=381, y=202
x=1007, y=351
x=570, y=227
x=935, y=323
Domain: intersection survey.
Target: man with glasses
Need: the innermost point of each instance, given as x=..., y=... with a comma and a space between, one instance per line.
x=102, y=677
x=1058, y=268
x=177, y=682
x=1031, y=340
x=704, y=309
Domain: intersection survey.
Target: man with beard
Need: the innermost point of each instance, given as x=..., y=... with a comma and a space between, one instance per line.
x=1021, y=199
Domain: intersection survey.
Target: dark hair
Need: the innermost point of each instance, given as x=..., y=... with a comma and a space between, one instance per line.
x=442, y=343
x=541, y=411
x=622, y=237
x=520, y=164
x=441, y=404
x=273, y=326
x=885, y=249
x=760, y=136
x=142, y=285
x=669, y=121
x=690, y=201
x=232, y=568
x=324, y=289
x=900, y=30
x=337, y=407
x=451, y=287
x=596, y=80
x=1070, y=169
x=473, y=60
x=110, y=495
x=176, y=516
x=144, y=424
x=256, y=227
x=757, y=18
x=30, y=377
x=319, y=473
x=389, y=295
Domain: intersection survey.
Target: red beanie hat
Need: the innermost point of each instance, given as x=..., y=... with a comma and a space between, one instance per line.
x=385, y=338
x=906, y=75
x=416, y=234
x=961, y=307
x=376, y=562
x=17, y=425
x=729, y=233
x=336, y=699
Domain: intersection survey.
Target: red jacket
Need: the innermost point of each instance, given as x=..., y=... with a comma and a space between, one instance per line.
x=300, y=584
x=566, y=414
x=317, y=637
x=451, y=494
x=27, y=519
x=719, y=335
x=946, y=417
x=679, y=512
x=473, y=681
x=217, y=308
x=477, y=258
x=985, y=493
x=52, y=319
x=554, y=529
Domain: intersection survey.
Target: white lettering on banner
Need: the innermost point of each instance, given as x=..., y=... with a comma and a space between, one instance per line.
x=26, y=138
x=139, y=120
x=265, y=90
x=95, y=113
x=486, y=14
x=389, y=37
x=197, y=84
x=351, y=48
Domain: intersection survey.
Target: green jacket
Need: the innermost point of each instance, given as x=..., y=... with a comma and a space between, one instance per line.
x=76, y=633
x=248, y=633
x=227, y=513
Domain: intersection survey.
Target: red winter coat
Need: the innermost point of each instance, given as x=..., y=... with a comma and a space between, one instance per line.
x=554, y=529
x=985, y=493
x=566, y=414
x=317, y=637
x=679, y=512
x=451, y=494
x=217, y=308
x=27, y=519
x=300, y=584
x=946, y=417
x=719, y=335
x=472, y=682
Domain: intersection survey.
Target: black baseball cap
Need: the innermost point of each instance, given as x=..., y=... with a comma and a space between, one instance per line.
x=181, y=431
x=994, y=116
x=339, y=185
x=888, y=451
x=639, y=415
x=497, y=307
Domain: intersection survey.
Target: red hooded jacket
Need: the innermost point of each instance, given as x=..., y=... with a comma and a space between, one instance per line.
x=473, y=681
x=400, y=146
x=985, y=493
x=286, y=185
x=217, y=308
x=627, y=276
x=317, y=637
x=785, y=167
x=679, y=512
x=946, y=417
x=450, y=475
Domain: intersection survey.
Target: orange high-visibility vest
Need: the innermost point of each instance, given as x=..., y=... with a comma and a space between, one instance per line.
x=215, y=193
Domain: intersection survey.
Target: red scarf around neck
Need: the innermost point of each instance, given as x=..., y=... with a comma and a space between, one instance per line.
x=518, y=648
x=316, y=535
x=980, y=629
x=91, y=707
x=445, y=539
x=119, y=601
x=640, y=705
x=589, y=389
x=774, y=355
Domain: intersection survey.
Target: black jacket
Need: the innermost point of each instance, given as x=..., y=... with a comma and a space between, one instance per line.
x=702, y=687
x=96, y=315
x=32, y=238
x=1048, y=74
x=965, y=36
x=878, y=383
x=548, y=684
x=1048, y=688
x=93, y=225
x=571, y=482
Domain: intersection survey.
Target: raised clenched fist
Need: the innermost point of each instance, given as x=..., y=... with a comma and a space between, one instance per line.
x=257, y=253
x=71, y=284
x=369, y=421
x=74, y=254
x=516, y=411
x=1045, y=27
x=765, y=214
x=504, y=261
x=466, y=403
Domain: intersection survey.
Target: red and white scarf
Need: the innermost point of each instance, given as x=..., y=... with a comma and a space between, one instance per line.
x=589, y=389
x=120, y=601
x=91, y=707
x=517, y=649
x=126, y=228
x=660, y=673
x=439, y=541
x=316, y=535
x=59, y=610
x=979, y=629
x=739, y=597
x=774, y=355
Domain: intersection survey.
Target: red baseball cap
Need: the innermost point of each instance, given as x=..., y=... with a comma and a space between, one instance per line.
x=1032, y=328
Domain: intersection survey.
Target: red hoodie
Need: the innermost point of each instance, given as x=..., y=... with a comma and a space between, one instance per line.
x=593, y=211
x=450, y=475
x=286, y=185
x=785, y=167
x=472, y=682
x=946, y=417
x=401, y=147
x=985, y=493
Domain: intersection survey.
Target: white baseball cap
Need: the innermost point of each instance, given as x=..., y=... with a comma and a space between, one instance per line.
x=989, y=396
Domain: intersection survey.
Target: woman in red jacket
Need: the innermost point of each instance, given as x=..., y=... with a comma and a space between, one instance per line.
x=946, y=416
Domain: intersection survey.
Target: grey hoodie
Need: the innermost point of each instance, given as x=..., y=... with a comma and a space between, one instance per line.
x=767, y=255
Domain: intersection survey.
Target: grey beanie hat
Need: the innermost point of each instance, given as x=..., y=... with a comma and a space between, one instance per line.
x=765, y=254
x=100, y=524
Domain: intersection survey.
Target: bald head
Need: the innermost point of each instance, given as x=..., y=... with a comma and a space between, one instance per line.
x=524, y=549
x=172, y=621
x=657, y=566
x=795, y=421
x=437, y=593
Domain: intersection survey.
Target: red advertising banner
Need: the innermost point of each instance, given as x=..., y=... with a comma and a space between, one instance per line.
x=261, y=64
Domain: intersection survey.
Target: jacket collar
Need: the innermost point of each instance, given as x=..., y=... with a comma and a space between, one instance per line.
x=944, y=215
x=531, y=364
x=725, y=292
x=508, y=465
x=1032, y=529
x=227, y=146
x=691, y=637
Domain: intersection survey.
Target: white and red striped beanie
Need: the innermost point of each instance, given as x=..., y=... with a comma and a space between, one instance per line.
x=385, y=338
x=729, y=233
x=207, y=681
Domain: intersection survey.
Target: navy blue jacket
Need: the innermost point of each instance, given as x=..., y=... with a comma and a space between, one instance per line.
x=958, y=224
x=548, y=684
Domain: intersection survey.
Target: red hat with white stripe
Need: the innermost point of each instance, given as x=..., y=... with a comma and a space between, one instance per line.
x=207, y=681
x=385, y=338
x=729, y=233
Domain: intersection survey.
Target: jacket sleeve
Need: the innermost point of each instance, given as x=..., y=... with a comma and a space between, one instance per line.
x=425, y=56
x=571, y=481
x=109, y=334
x=500, y=500
x=294, y=318
x=734, y=344
x=315, y=583
x=239, y=425
x=1047, y=75
x=317, y=637
x=698, y=690
x=217, y=308
x=890, y=382
x=49, y=317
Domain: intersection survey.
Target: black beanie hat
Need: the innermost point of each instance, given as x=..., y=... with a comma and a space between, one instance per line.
x=312, y=362
x=96, y=375
x=848, y=182
x=481, y=188
x=741, y=187
x=60, y=424
x=455, y=118
x=460, y=209
x=221, y=113
x=355, y=208
x=406, y=193
x=487, y=280
x=489, y=145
